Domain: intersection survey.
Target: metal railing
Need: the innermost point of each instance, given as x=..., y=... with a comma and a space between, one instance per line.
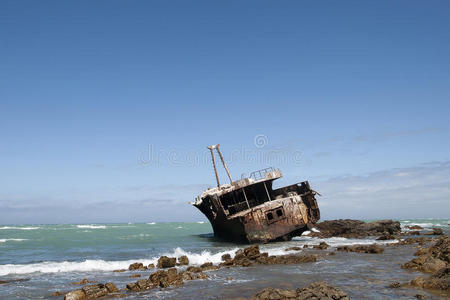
x=261, y=174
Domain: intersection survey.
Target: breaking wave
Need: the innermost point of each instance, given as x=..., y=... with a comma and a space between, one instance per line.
x=92, y=226
x=18, y=228
x=12, y=240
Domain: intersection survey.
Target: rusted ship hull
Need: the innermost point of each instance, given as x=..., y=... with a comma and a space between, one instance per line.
x=278, y=219
x=250, y=210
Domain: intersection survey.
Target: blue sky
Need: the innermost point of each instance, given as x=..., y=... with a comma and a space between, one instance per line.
x=106, y=106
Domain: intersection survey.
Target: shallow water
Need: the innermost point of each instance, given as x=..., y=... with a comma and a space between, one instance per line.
x=53, y=256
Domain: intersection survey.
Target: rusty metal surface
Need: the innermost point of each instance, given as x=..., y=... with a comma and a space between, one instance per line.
x=249, y=210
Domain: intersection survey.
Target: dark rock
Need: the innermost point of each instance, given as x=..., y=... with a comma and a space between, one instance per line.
x=252, y=252
x=385, y=237
x=151, y=266
x=395, y=285
x=120, y=270
x=373, y=248
x=226, y=257
x=166, y=262
x=111, y=287
x=82, y=281
x=56, y=294
x=319, y=290
x=321, y=246
x=440, y=280
x=420, y=296
x=137, y=266
x=14, y=280
x=293, y=249
x=415, y=227
x=436, y=231
x=194, y=269
x=135, y=276
x=355, y=228
x=433, y=258
x=95, y=290
x=183, y=260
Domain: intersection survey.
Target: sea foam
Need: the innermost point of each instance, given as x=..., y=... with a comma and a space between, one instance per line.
x=92, y=226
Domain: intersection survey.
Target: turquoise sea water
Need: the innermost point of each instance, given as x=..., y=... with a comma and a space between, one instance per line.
x=50, y=257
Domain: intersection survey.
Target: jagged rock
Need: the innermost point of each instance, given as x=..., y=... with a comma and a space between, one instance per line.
x=137, y=266
x=440, y=280
x=436, y=231
x=293, y=249
x=166, y=262
x=433, y=258
x=82, y=281
x=111, y=287
x=135, y=276
x=183, y=260
x=150, y=266
x=208, y=266
x=56, y=294
x=226, y=257
x=373, y=248
x=321, y=246
x=194, y=269
x=252, y=252
x=385, y=237
x=355, y=228
x=318, y=290
x=95, y=290
x=75, y=295
x=120, y=270
x=395, y=285
x=415, y=227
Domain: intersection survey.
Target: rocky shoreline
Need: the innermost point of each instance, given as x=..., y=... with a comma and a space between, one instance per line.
x=432, y=257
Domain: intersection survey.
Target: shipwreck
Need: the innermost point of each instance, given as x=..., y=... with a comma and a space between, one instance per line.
x=250, y=210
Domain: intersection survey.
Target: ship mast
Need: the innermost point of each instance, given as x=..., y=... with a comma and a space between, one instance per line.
x=211, y=149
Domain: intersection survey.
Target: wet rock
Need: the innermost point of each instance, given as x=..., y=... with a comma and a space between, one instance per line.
x=252, y=252
x=82, y=281
x=120, y=270
x=75, y=295
x=226, y=257
x=208, y=266
x=137, y=266
x=385, y=237
x=440, y=280
x=14, y=280
x=95, y=290
x=194, y=269
x=355, y=228
x=229, y=278
x=111, y=287
x=183, y=260
x=321, y=246
x=56, y=294
x=415, y=227
x=166, y=262
x=436, y=231
x=135, y=276
x=151, y=266
x=373, y=248
x=395, y=285
x=433, y=258
x=319, y=290
x=293, y=249
x=420, y=296
x=305, y=246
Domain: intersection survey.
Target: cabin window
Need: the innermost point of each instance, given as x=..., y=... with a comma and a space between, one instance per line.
x=269, y=216
x=279, y=212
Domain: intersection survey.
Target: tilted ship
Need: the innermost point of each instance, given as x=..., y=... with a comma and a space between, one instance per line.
x=250, y=210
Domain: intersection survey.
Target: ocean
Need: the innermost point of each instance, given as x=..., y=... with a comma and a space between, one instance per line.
x=50, y=257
